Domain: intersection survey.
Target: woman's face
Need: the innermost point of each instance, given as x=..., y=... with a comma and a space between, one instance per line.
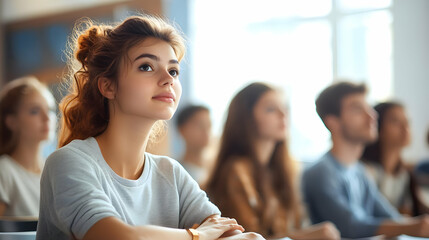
x=271, y=116
x=149, y=84
x=33, y=119
x=196, y=131
x=394, y=130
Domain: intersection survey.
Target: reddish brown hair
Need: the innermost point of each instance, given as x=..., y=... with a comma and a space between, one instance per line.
x=99, y=50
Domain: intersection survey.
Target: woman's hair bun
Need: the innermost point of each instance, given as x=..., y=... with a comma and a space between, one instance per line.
x=87, y=42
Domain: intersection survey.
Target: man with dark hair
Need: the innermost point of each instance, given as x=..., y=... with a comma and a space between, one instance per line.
x=336, y=188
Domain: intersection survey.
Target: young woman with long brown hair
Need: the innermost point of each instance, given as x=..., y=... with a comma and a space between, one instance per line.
x=255, y=180
x=26, y=120
x=101, y=183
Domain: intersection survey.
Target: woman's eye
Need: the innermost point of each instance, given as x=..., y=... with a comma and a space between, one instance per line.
x=34, y=111
x=270, y=109
x=146, y=68
x=174, y=73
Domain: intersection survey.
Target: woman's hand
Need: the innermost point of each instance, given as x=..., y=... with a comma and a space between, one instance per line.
x=421, y=227
x=244, y=236
x=325, y=230
x=215, y=227
x=2, y=208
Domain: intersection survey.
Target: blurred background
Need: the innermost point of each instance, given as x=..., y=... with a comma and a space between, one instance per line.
x=298, y=46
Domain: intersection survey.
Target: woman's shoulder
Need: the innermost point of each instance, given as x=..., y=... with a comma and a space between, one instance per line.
x=6, y=166
x=240, y=164
x=76, y=153
x=238, y=170
x=5, y=161
x=9, y=167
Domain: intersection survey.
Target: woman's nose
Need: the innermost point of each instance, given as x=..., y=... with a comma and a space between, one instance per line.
x=166, y=79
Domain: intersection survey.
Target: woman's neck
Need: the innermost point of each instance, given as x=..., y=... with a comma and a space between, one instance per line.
x=264, y=150
x=27, y=154
x=390, y=158
x=123, y=145
x=194, y=156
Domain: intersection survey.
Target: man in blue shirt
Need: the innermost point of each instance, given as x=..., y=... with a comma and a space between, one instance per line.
x=336, y=188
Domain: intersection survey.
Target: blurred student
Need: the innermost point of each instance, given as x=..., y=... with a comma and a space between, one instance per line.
x=422, y=168
x=101, y=183
x=25, y=122
x=194, y=125
x=336, y=188
x=385, y=164
x=255, y=180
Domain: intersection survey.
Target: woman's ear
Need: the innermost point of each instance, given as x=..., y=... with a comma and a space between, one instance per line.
x=11, y=122
x=107, y=88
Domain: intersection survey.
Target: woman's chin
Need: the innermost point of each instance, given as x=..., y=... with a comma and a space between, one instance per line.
x=164, y=117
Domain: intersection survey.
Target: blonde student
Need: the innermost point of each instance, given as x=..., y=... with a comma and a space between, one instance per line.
x=26, y=120
x=101, y=183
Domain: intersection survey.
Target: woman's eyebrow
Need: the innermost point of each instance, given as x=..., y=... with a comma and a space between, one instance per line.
x=147, y=55
x=151, y=56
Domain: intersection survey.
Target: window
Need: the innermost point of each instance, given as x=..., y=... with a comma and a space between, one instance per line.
x=298, y=46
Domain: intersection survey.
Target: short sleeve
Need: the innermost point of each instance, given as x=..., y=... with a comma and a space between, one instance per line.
x=194, y=203
x=72, y=195
x=5, y=186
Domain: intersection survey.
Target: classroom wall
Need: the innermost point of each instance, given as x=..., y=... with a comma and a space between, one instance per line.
x=1, y=44
x=411, y=68
x=178, y=11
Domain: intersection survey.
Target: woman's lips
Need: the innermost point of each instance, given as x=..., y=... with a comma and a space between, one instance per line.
x=165, y=97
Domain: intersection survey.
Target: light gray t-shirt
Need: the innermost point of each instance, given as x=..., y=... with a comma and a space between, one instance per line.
x=78, y=188
x=19, y=189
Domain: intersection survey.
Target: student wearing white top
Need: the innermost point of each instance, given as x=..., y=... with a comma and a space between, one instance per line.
x=102, y=184
x=384, y=162
x=25, y=122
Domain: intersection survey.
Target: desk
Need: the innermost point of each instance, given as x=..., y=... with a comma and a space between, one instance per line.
x=402, y=237
x=18, y=235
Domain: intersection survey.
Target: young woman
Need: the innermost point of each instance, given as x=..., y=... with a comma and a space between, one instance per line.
x=385, y=164
x=194, y=125
x=101, y=183
x=25, y=122
x=254, y=179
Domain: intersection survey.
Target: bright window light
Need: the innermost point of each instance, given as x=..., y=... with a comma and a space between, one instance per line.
x=288, y=44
